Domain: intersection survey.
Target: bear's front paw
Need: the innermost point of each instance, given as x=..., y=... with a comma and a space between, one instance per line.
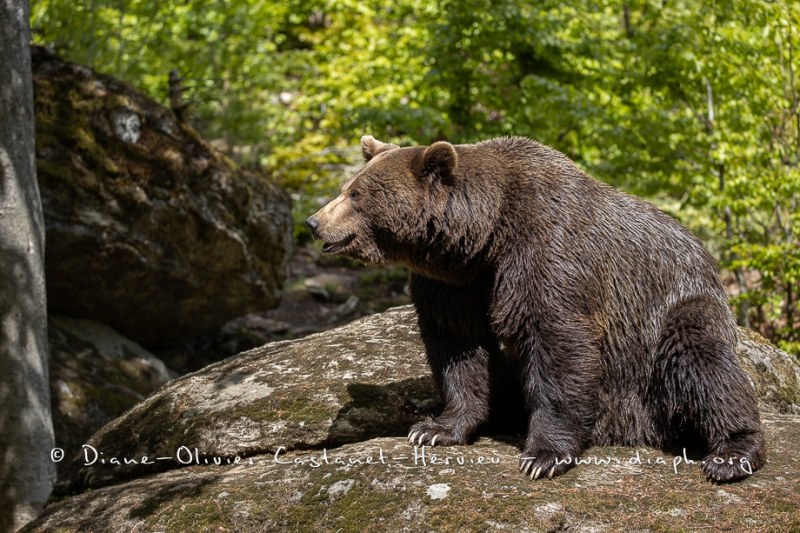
x=431, y=432
x=726, y=467
x=735, y=458
x=541, y=463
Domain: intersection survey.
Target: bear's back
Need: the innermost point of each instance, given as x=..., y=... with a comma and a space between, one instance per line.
x=591, y=248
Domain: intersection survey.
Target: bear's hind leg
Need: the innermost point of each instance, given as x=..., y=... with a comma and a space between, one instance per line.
x=700, y=394
x=561, y=387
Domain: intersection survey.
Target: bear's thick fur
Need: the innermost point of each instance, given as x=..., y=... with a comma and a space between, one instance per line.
x=614, y=312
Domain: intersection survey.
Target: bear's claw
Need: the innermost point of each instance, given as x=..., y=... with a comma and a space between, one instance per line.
x=736, y=458
x=723, y=469
x=432, y=433
x=543, y=464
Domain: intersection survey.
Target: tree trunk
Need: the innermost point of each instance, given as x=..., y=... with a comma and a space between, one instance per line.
x=26, y=430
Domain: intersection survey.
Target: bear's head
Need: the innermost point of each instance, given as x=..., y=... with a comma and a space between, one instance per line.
x=394, y=208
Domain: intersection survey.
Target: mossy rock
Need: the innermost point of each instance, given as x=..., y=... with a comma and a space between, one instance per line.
x=383, y=484
x=149, y=229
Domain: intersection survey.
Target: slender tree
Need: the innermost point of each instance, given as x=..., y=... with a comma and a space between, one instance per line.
x=26, y=429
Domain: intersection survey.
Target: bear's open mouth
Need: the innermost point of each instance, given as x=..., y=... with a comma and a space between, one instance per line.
x=338, y=246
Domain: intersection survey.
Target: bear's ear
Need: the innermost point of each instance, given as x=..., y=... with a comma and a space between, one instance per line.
x=440, y=161
x=370, y=147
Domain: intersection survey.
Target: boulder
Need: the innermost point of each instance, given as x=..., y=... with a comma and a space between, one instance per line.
x=310, y=435
x=95, y=375
x=149, y=229
x=775, y=375
x=349, y=384
x=383, y=484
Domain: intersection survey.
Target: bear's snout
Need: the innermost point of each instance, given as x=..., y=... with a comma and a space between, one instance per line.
x=313, y=223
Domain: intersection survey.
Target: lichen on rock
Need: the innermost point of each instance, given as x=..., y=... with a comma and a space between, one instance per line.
x=127, y=125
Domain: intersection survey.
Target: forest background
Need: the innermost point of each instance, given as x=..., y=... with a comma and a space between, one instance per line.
x=694, y=105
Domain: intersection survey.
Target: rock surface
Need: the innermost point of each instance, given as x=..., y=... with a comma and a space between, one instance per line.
x=380, y=485
x=775, y=375
x=149, y=229
x=95, y=375
x=355, y=382
x=287, y=410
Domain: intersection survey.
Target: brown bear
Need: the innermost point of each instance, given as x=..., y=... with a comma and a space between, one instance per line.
x=614, y=312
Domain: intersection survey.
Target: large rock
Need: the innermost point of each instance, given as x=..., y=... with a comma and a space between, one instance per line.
x=310, y=435
x=383, y=484
x=775, y=375
x=350, y=384
x=149, y=229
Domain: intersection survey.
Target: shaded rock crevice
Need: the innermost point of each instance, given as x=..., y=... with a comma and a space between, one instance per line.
x=95, y=376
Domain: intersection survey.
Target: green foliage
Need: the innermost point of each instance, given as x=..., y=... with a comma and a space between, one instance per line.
x=692, y=104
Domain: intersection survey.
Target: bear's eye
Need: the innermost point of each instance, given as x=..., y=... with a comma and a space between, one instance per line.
x=354, y=195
